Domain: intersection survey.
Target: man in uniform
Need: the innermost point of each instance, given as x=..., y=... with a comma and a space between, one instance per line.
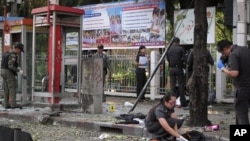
x=106, y=64
x=239, y=70
x=176, y=60
x=9, y=72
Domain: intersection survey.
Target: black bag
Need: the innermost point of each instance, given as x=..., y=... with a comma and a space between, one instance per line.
x=129, y=118
x=194, y=136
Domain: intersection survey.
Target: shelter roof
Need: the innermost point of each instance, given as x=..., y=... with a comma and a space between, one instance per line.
x=57, y=8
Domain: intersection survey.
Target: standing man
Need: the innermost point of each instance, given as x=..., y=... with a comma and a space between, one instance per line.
x=9, y=72
x=106, y=65
x=176, y=60
x=239, y=70
x=141, y=78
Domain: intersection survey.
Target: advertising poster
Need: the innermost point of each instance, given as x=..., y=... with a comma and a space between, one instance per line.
x=124, y=25
x=184, y=25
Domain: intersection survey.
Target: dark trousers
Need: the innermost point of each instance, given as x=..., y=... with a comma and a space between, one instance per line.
x=141, y=81
x=177, y=74
x=242, y=98
x=158, y=131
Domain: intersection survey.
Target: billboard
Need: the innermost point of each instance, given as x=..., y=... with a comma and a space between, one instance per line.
x=184, y=25
x=124, y=25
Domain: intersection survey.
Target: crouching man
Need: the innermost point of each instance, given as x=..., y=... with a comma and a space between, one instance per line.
x=161, y=121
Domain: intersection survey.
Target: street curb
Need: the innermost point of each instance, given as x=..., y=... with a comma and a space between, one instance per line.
x=126, y=129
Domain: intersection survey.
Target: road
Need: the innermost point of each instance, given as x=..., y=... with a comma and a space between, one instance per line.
x=42, y=132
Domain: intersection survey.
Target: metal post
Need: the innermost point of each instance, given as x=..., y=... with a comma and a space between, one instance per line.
x=33, y=57
x=79, y=65
x=53, y=57
x=24, y=65
x=155, y=82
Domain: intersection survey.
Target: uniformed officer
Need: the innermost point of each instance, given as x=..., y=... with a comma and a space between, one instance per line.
x=176, y=59
x=238, y=69
x=9, y=72
x=106, y=64
x=161, y=121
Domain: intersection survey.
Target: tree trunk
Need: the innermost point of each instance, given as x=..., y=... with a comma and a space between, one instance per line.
x=198, y=83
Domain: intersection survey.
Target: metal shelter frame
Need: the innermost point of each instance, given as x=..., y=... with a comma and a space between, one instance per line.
x=52, y=16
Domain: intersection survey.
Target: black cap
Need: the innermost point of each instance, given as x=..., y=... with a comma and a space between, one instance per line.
x=20, y=46
x=100, y=46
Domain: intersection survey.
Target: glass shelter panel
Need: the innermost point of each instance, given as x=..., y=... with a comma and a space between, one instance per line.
x=41, y=66
x=71, y=60
x=16, y=37
x=28, y=60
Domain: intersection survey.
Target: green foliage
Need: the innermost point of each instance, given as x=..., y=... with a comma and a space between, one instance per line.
x=41, y=56
x=24, y=9
x=221, y=31
x=123, y=71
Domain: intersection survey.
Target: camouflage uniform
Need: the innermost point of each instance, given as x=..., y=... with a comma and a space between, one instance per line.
x=9, y=73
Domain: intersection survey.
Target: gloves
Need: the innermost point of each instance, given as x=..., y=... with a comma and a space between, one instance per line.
x=21, y=71
x=224, y=59
x=181, y=138
x=220, y=65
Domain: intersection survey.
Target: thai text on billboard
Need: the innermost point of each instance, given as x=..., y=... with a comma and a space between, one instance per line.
x=124, y=25
x=184, y=25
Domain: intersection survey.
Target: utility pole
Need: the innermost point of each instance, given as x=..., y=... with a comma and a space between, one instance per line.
x=13, y=7
x=241, y=23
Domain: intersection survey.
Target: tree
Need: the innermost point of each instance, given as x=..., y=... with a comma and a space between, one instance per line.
x=198, y=83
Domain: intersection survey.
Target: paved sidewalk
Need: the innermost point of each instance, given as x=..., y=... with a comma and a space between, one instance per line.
x=222, y=114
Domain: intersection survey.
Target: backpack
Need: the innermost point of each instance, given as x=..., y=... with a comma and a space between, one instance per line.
x=4, y=63
x=5, y=60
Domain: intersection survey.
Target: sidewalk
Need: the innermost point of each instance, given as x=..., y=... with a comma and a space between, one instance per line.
x=222, y=114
